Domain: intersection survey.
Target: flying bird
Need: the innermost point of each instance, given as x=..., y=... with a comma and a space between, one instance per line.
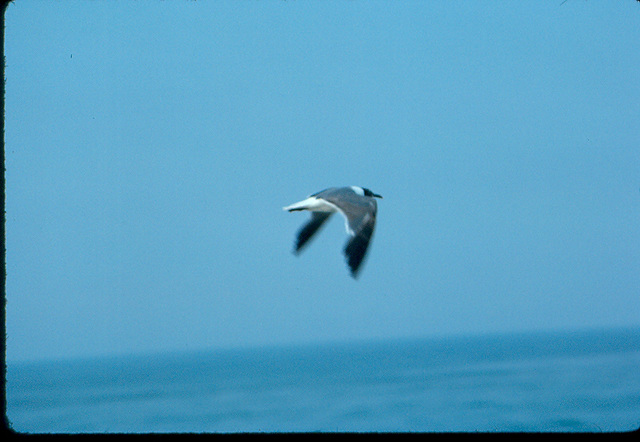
x=359, y=208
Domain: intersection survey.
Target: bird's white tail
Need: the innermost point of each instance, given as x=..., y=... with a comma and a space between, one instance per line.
x=300, y=205
x=313, y=204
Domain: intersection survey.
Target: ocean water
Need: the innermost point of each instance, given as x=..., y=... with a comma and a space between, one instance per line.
x=544, y=382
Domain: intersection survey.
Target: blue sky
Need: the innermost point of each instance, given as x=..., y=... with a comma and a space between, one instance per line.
x=150, y=147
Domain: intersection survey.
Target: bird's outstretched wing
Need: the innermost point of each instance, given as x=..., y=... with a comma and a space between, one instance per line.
x=309, y=229
x=356, y=248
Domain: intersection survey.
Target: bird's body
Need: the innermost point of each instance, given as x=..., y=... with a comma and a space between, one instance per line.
x=359, y=208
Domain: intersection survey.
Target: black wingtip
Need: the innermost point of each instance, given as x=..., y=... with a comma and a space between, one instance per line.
x=354, y=267
x=308, y=230
x=298, y=248
x=356, y=250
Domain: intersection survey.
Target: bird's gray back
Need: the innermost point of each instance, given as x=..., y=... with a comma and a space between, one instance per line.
x=353, y=205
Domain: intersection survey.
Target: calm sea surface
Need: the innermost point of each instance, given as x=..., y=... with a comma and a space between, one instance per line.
x=575, y=382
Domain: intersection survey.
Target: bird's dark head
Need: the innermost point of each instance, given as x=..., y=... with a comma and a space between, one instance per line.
x=367, y=192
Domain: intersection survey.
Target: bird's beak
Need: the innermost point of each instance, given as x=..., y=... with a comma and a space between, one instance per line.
x=377, y=196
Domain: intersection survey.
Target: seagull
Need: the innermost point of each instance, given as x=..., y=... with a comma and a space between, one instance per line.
x=356, y=204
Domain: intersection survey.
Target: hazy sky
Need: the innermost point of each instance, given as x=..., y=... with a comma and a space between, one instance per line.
x=150, y=148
